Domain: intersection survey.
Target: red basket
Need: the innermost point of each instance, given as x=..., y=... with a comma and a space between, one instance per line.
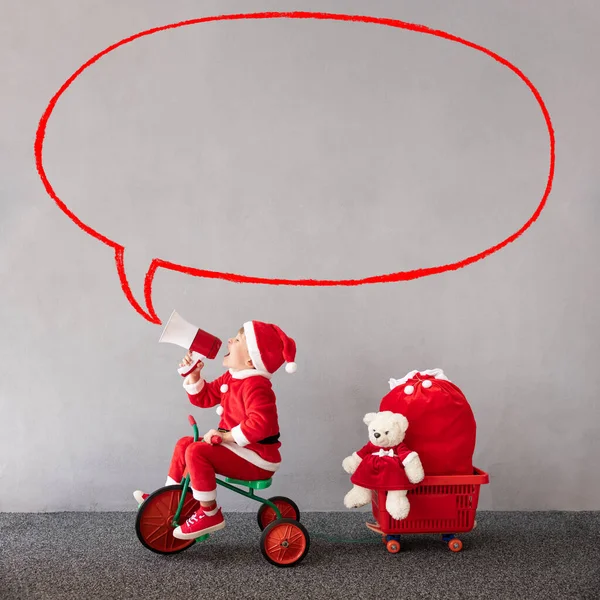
x=443, y=504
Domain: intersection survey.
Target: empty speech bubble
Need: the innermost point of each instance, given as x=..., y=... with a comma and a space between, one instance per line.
x=145, y=308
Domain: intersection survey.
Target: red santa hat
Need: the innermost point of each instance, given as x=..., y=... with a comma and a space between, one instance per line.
x=269, y=347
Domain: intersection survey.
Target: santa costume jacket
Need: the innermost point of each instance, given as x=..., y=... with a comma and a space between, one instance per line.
x=248, y=410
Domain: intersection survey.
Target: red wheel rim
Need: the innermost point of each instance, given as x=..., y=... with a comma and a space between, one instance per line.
x=285, y=543
x=268, y=515
x=156, y=521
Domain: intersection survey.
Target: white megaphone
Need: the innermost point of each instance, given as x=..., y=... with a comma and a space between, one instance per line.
x=200, y=344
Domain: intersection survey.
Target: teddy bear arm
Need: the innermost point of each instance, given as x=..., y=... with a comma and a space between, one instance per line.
x=350, y=463
x=414, y=468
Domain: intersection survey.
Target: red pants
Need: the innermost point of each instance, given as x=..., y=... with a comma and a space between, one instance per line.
x=204, y=462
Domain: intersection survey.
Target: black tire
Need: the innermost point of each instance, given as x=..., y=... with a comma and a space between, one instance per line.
x=155, y=516
x=267, y=515
x=275, y=537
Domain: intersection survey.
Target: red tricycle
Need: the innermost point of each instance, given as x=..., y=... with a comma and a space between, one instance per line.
x=443, y=504
x=284, y=541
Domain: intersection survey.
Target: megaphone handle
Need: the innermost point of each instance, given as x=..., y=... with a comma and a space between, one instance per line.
x=187, y=369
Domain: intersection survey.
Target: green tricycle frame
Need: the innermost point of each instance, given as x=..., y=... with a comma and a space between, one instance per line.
x=284, y=541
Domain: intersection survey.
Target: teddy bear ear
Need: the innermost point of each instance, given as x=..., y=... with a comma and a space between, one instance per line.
x=402, y=421
x=368, y=418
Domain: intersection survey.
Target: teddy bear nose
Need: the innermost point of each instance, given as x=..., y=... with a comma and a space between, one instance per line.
x=377, y=435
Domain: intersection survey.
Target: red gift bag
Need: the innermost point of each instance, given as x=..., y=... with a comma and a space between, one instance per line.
x=441, y=427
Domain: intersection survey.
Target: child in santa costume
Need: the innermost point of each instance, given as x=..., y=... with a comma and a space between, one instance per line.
x=249, y=426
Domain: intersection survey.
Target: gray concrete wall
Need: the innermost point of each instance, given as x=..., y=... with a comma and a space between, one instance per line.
x=298, y=149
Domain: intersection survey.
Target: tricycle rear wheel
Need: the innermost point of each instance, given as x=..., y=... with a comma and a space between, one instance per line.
x=287, y=508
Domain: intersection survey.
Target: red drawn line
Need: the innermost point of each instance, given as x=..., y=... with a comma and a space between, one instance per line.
x=151, y=314
x=156, y=263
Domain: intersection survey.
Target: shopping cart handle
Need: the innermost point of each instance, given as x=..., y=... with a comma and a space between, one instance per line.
x=216, y=439
x=191, y=420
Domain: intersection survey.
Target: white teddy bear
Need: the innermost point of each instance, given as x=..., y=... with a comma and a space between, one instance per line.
x=385, y=463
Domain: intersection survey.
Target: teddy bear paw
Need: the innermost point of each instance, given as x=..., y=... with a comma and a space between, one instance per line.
x=357, y=497
x=350, y=464
x=414, y=471
x=397, y=507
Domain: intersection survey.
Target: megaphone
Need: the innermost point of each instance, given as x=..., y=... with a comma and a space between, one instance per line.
x=199, y=343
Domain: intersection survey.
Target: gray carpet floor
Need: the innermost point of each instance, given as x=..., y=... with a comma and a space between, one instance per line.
x=88, y=556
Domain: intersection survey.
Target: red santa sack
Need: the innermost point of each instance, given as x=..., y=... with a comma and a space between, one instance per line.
x=441, y=427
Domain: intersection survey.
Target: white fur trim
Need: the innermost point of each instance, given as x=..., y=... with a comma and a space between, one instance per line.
x=396, y=382
x=245, y=373
x=204, y=496
x=220, y=410
x=239, y=437
x=171, y=481
x=224, y=388
x=139, y=496
x=427, y=383
x=291, y=367
x=193, y=388
x=251, y=457
x=409, y=389
x=253, y=347
x=437, y=374
x=410, y=457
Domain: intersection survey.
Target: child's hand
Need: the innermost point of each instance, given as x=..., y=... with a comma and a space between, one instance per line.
x=224, y=435
x=208, y=436
x=195, y=375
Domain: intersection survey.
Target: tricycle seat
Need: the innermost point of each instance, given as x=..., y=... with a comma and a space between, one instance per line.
x=258, y=484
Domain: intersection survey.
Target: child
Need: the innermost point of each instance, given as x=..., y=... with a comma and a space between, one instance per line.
x=248, y=428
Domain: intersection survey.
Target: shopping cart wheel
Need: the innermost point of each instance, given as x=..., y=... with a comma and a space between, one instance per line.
x=393, y=546
x=455, y=545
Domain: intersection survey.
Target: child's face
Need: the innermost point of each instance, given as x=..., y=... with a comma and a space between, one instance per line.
x=238, y=357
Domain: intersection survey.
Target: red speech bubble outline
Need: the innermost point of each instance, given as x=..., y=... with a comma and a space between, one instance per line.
x=157, y=263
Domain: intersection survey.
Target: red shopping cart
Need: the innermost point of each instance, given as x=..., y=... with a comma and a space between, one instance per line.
x=442, y=504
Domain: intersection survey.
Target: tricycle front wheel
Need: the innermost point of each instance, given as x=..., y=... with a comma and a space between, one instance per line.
x=154, y=523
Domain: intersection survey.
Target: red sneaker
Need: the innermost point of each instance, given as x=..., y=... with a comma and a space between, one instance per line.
x=140, y=496
x=200, y=524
